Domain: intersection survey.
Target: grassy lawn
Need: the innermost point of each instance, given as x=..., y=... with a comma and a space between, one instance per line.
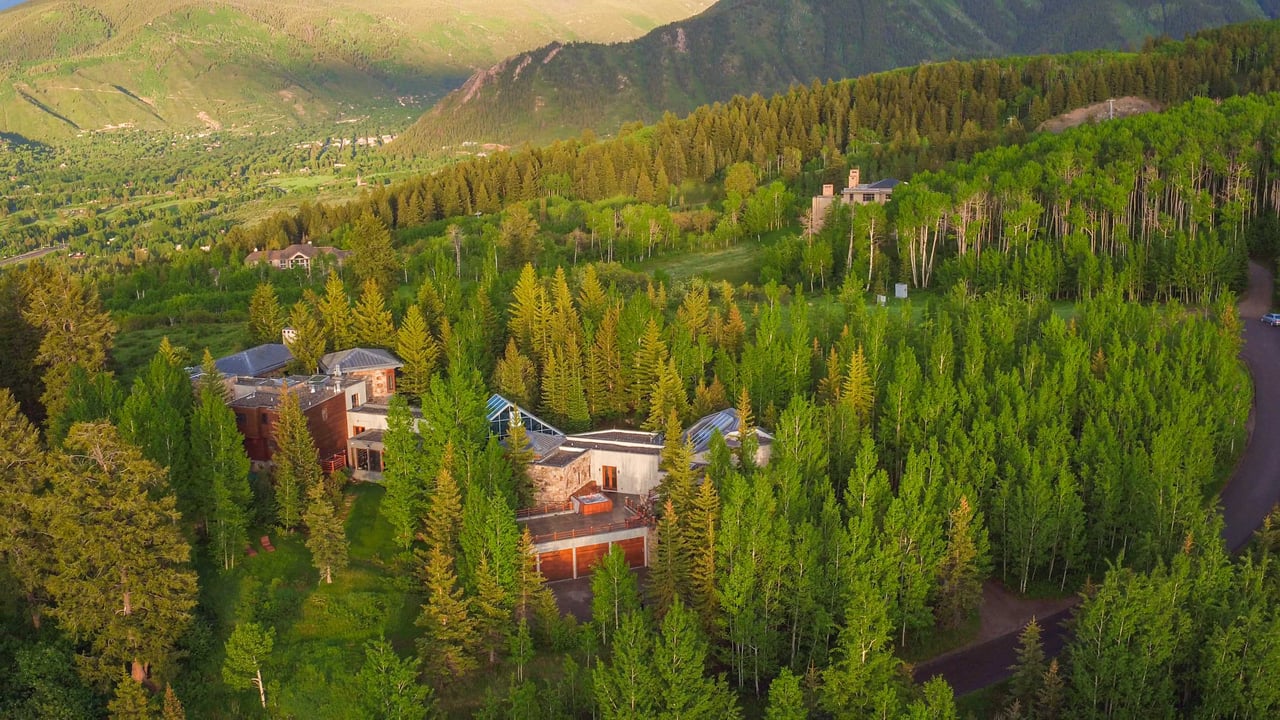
x=135, y=348
x=321, y=630
x=738, y=264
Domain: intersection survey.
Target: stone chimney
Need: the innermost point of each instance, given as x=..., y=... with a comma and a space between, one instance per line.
x=828, y=191
x=855, y=177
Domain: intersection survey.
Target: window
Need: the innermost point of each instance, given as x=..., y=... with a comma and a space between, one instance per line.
x=241, y=419
x=868, y=197
x=265, y=419
x=357, y=429
x=609, y=477
x=324, y=413
x=355, y=399
x=370, y=460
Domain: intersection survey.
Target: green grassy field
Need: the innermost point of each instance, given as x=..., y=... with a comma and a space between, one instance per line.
x=321, y=629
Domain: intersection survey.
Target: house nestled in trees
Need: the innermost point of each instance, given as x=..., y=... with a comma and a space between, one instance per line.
x=592, y=490
x=856, y=193
x=372, y=364
x=294, y=256
x=325, y=401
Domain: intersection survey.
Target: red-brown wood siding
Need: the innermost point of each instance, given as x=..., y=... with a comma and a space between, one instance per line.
x=589, y=555
x=634, y=550
x=557, y=565
x=327, y=422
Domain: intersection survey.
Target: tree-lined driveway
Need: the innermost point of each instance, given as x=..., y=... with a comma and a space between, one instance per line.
x=1246, y=500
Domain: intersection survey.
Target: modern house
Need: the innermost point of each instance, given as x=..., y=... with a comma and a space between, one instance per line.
x=294, y=256
x=325, y=402
x=856, y=193
x=594, y=490
x=373, y=364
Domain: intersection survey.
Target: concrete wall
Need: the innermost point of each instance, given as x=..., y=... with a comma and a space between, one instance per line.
x=637, y=473
x=555, y=484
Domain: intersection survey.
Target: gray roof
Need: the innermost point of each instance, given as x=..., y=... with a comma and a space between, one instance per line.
x=886, y=184
x=255, y=361
x=357, y=359
x=726, y=421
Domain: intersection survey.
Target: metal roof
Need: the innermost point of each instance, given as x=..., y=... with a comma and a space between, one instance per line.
x=255, y=361
x=359, y=359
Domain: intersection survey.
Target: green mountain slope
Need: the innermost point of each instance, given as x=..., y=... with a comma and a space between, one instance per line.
x=69, y=66
x=749, y=46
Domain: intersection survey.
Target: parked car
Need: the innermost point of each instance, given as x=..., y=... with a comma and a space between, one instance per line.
x=1272, y=319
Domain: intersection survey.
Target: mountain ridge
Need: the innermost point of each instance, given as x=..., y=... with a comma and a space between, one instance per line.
x=73, y=65
x=749, y=46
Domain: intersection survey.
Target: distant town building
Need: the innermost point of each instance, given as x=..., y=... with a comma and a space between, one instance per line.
x=294, y=256
x=856, y=193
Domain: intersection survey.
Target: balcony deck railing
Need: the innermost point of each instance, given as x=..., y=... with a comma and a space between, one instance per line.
x=628, y=524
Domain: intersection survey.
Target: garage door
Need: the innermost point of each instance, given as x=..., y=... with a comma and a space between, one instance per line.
x=634, y=550
x=557, y=565
x=590, y=555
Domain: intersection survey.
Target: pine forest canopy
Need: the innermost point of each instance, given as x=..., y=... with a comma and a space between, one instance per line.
x=741, y=47
x=918, y=449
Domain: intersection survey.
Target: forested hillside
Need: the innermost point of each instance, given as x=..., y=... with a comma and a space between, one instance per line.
x=741, y=47
x=68, y=66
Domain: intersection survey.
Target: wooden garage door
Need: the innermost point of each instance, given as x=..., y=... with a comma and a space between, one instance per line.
x=557, y=565
x=590, y=555
x=634, y=550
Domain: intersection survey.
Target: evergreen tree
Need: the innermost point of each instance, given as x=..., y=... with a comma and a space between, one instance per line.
x=444, y=508
x=747, y=441
x=156, y=418
x=669, y=570
x=90, y=397
x=491, y=611
x=530, y=586
x=295, y=464
x=857, y=391
x=865, y=672
x=247, y=650
x=786, y=700
x=1049, y=702
x=515, y=376
x=520, y=648
x=172, y=709
x=701, y=541
x=649, y=362
x=388, y=685
x=520, y=454
x=680, y=658
x=23, y=547
x=960, y=575
x=335, y=314
x=419, y=352
x=614, y=593
x=218, y=450
x=449, y=633
x=373, y=324
x=1029, y=672
x=405, y=473
x=326, y=537
x=74, y=329
x=121, y=577
x=266, y=317
x=372, y=256
x=627, y=686
x=130, y=702
x=308, y=341
x=668, y=397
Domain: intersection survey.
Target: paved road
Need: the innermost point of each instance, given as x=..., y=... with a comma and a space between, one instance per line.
x=1250, y=494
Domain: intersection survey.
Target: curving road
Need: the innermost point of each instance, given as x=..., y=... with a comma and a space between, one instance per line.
x=1253, y=490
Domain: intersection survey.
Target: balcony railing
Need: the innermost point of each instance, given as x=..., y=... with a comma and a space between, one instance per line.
x=628, y=524
x=545, y=509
